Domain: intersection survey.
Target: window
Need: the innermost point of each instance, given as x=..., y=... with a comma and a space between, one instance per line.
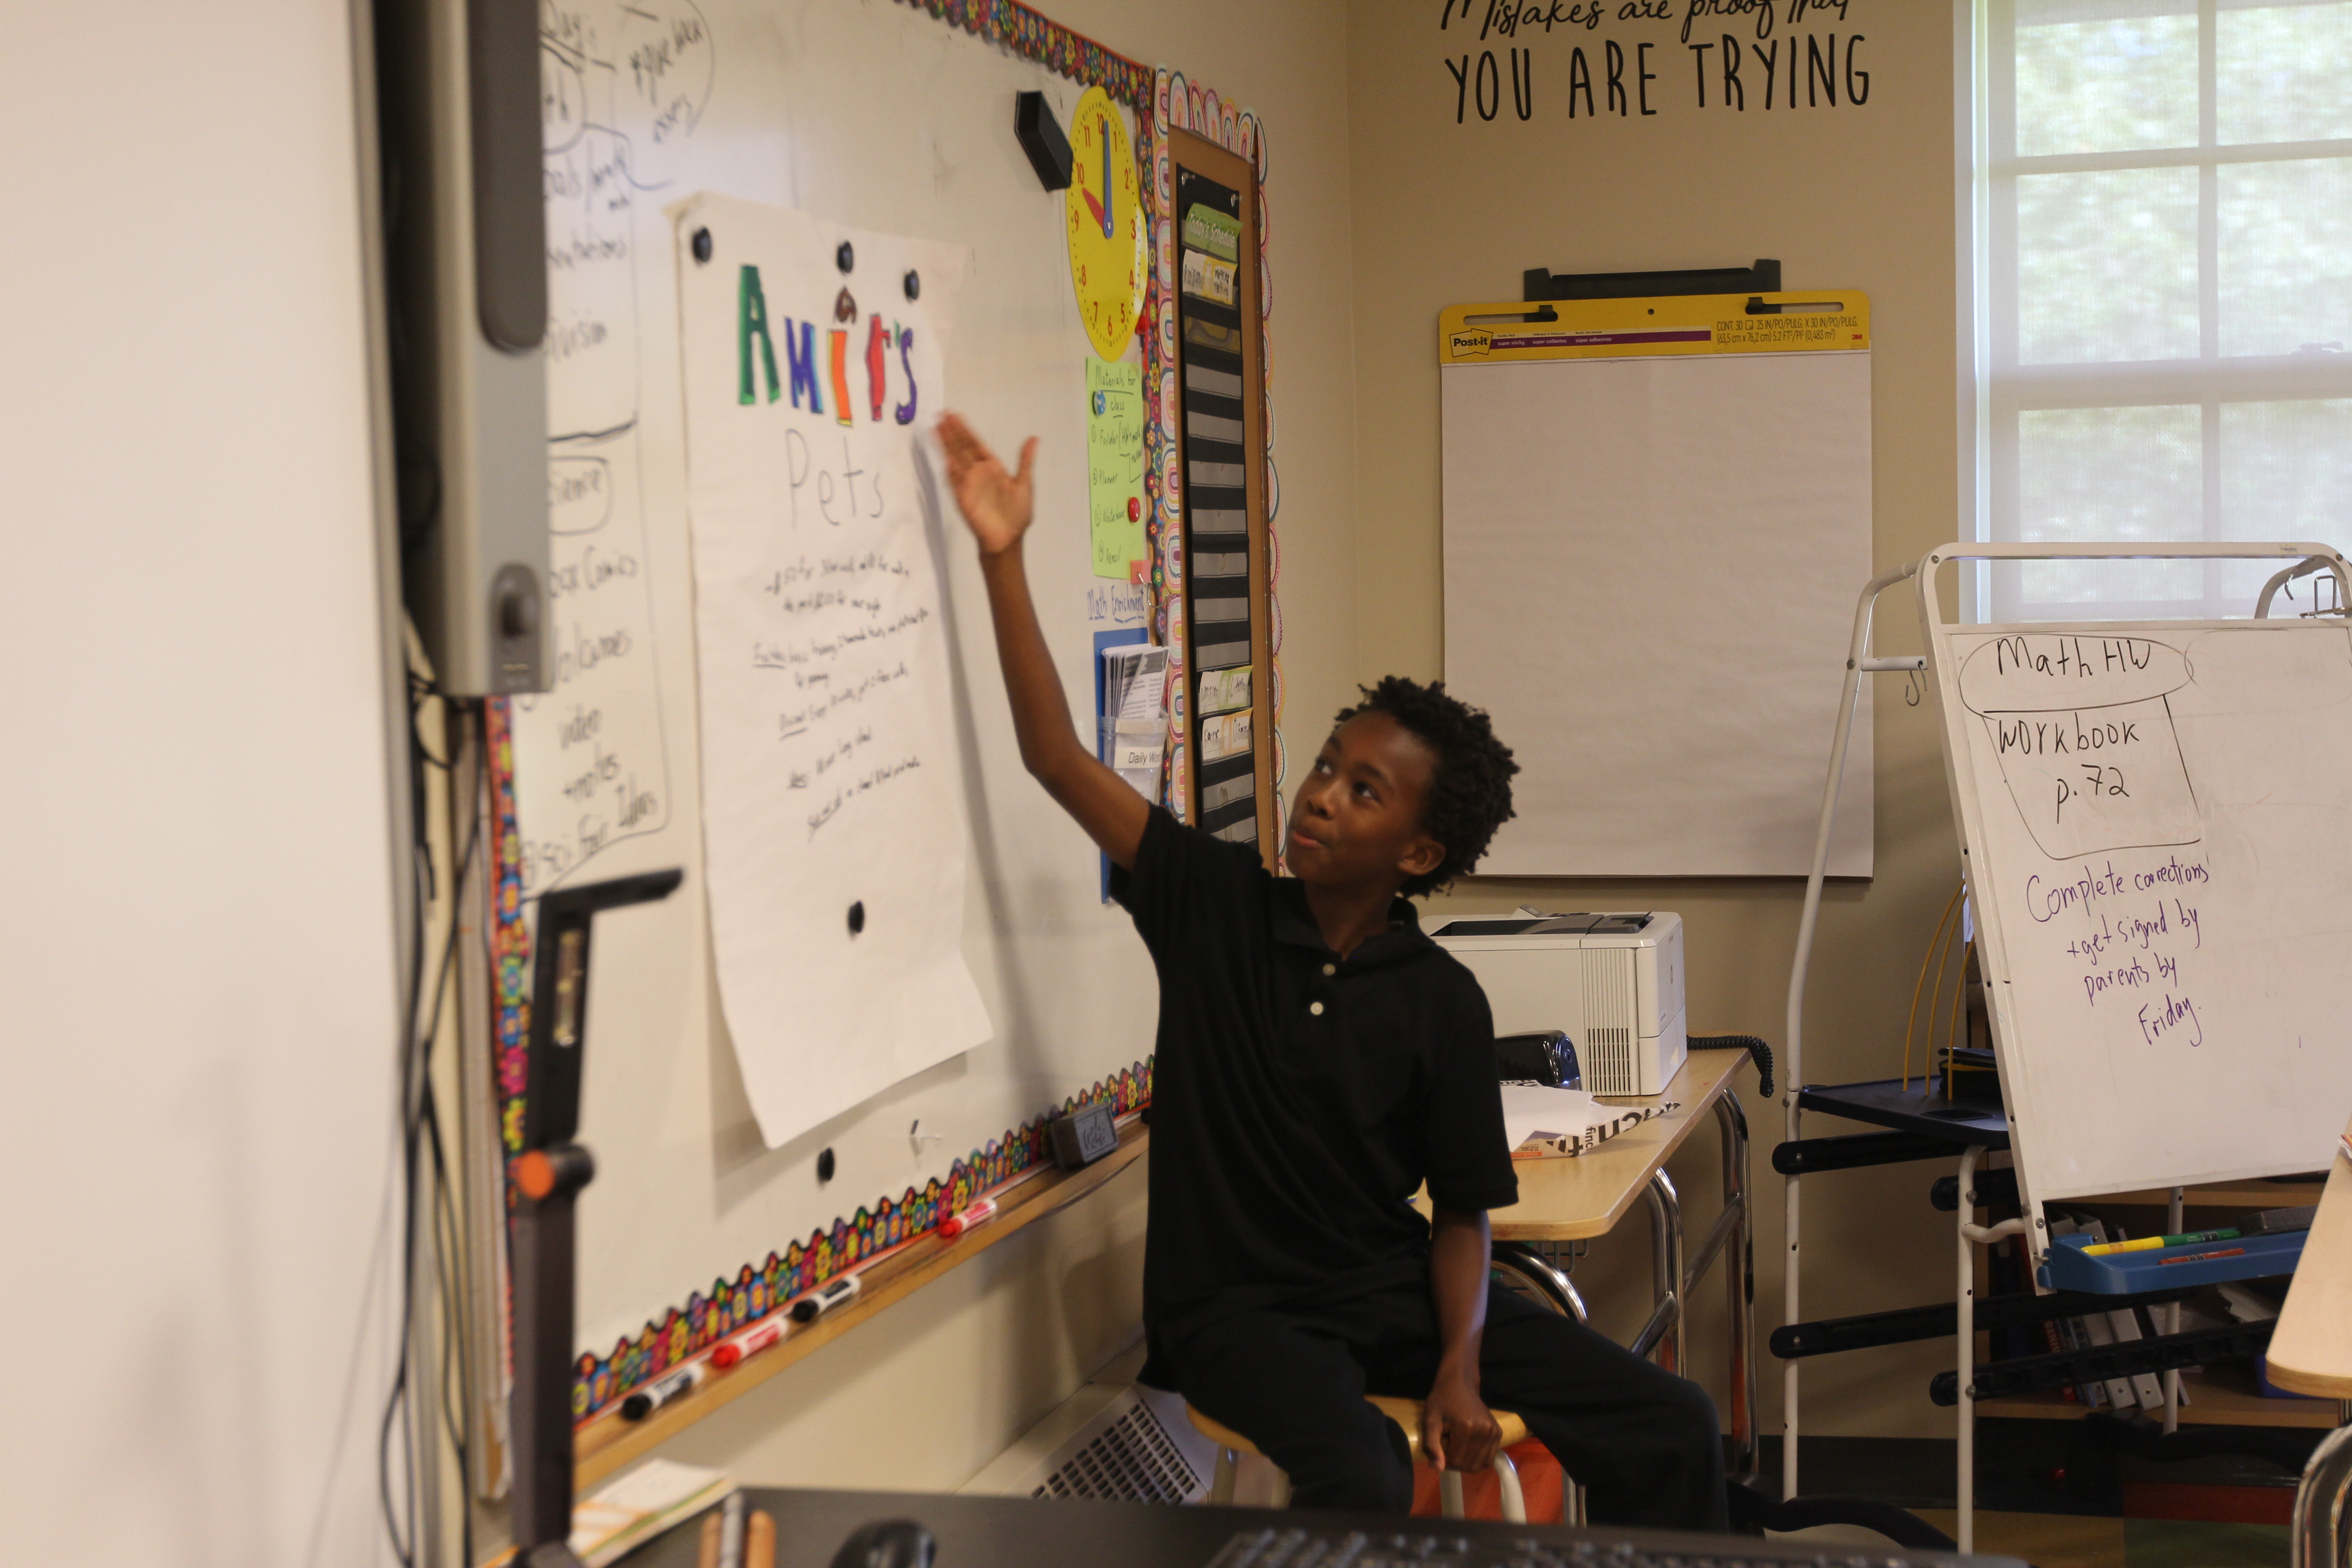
x=2164, y=199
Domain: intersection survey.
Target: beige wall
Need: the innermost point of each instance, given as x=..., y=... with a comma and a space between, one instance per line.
x=1845, y=197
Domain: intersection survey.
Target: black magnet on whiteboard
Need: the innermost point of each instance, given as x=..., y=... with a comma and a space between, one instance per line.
x=858, y=917
x=914, y=284
x=825, y=1166
x=702, y=245
x=1041, y=137
x=846, y=256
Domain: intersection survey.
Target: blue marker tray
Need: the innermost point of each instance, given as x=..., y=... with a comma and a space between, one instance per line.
x=2124, y=1273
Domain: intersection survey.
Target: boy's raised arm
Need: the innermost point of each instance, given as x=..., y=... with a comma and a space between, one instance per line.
x=997, y=505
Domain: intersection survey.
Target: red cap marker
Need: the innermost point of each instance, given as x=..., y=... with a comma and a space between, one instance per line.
x=750, y=1342
x=981, y=1210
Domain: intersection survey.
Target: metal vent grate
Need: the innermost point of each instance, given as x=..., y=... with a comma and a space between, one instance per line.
x=1132, y=1460
x=1607, y=1055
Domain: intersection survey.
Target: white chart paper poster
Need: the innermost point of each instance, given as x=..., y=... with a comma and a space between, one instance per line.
x=833, y=807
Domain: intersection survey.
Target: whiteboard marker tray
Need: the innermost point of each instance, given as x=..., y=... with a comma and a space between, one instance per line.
x=2122, y=1273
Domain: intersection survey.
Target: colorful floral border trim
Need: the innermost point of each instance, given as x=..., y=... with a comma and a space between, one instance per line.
x=1166, y=101
x=1048, y=44
x=845, y=1247
x=509, y=942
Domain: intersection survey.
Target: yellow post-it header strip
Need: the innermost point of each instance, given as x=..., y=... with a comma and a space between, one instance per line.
x=1833, y=321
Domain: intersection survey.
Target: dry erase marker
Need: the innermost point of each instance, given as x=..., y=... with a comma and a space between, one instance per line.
x=981, y=1210
x=824, y=1299
x=750, y=1342
x=730, y=1532
x=2150, y=1242
x=2207, y=1256
x=661, y=1390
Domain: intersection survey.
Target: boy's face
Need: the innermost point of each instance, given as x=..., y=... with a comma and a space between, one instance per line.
x=1356, y=821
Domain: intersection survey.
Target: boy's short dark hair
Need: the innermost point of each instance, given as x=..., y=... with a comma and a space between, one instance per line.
x=1470, y=794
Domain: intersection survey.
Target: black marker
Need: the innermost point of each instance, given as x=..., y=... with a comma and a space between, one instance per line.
x=824, y=1299
x=661, y=1390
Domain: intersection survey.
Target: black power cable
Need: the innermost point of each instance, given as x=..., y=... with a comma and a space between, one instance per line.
x=423, y=1152
x=1755, y=1047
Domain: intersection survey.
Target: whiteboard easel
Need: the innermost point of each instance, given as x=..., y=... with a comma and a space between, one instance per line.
x=2299, y=559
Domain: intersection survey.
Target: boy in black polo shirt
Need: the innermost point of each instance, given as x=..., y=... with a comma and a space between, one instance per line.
x=1319, y=1060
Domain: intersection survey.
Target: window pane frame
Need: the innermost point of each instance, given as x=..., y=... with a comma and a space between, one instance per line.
x=2209, y=381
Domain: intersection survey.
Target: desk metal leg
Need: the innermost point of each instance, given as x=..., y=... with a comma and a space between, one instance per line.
x=1739, y=1277
x=2318, y=1539
x=1543, y=1275
x=1665, y=1324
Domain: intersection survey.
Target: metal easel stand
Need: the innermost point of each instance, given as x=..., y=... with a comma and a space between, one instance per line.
x=2318, y=1539
x=2305, y=558
x=1859, y=662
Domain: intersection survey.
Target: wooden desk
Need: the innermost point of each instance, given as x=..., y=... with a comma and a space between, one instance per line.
x=1570, y=1200
x=2311, y=1349
x=1578, y=1199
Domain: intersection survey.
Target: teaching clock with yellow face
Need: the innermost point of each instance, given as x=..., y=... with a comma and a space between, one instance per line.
x=1103, y=214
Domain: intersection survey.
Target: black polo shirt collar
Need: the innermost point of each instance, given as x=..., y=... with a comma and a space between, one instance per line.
x=1294, y=926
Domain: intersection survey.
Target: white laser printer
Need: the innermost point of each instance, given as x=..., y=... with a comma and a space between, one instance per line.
x=1612, y=982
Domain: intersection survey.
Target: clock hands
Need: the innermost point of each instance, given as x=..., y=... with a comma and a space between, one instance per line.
x=1102, y=208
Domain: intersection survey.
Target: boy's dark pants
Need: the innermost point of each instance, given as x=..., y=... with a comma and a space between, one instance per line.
x=1642, y=1442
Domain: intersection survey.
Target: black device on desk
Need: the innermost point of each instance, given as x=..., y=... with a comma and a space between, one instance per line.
x=550, y=1171
x=1547, y=1056
x=900, y=1530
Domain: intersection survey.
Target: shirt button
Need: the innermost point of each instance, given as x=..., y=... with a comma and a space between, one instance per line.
x=1316, y=1008
x=1330, y=968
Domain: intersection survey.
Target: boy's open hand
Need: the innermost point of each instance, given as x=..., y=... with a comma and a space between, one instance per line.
x=1457, y=1431
x=995, y=503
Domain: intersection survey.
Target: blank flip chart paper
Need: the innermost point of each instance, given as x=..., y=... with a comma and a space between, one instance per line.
x=833, y=789
x=1656, y=519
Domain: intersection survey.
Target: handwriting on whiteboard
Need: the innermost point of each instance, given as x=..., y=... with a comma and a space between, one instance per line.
x=2082, y=733
x=2085, y=738
x=621, y=86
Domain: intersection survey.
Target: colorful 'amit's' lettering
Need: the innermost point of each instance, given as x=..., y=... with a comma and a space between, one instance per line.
x=800, y=348
x=904, y=412
x=752, y=321
x=841, y=376
x=877, y=367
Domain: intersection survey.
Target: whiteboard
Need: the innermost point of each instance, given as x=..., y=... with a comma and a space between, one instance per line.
x=1649, y=582
x=650, y=103
x=2157, y=823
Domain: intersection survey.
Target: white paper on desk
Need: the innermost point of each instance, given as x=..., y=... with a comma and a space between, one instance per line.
x=1540, y=1121
x=833, y=830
